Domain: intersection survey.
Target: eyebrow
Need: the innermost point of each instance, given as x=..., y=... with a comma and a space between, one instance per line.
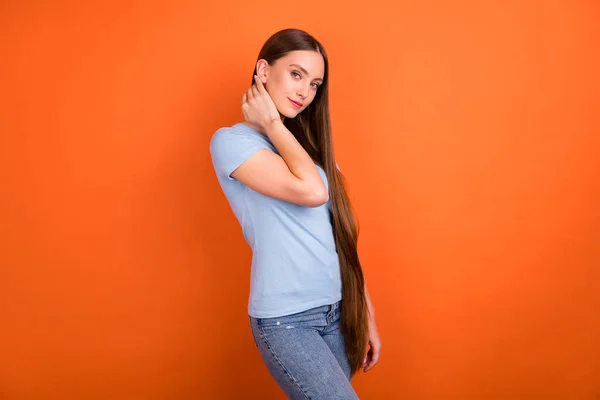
x=305, y=71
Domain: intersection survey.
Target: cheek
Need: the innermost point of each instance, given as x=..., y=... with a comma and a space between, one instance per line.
x=275, y=88
x=287, y=84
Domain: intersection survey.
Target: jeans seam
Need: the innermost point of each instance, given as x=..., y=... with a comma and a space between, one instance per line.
x=262, y=336
x=252, y=332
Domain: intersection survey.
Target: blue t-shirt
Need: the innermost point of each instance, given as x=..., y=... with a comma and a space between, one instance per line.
x=295, y=265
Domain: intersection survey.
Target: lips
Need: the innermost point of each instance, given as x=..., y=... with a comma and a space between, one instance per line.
x=295, y=103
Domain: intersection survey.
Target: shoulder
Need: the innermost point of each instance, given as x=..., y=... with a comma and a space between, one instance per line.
x=222, y=133
x=231, y=146
x=233, y=132
x=224, y=137
x=238, y=137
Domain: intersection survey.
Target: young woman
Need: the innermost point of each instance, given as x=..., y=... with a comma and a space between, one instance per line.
x=278, y=172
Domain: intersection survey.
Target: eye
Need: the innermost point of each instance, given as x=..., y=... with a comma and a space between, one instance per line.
x=294, y=73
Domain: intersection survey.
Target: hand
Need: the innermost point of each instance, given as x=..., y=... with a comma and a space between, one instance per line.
x=372, y=356
x=258, y=107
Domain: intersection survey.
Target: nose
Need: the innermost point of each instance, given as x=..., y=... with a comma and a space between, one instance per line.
x=303, y=91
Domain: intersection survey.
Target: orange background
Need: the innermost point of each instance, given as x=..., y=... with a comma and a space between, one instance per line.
x=469, y=134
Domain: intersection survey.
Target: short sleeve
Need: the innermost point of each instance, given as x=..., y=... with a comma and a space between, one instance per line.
x=229, y=149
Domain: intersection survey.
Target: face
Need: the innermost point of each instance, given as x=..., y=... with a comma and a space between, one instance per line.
x=293, y=78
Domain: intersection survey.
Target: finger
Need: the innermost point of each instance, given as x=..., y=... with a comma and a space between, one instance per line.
x=259, y=84
x=244, y=97
x=373, y=361
x=255, y=91
x=249, y=94
x=366, y=359
x=369, y=366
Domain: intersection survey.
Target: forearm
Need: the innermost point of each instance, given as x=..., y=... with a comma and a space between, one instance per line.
x=294, y=155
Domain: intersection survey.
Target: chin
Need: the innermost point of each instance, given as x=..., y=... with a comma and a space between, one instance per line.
x=291, y=115
x=286, y=112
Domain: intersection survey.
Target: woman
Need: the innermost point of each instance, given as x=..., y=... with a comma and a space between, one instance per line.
x=278, y=172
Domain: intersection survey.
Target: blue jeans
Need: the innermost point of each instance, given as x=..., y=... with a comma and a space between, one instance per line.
x=305, y=353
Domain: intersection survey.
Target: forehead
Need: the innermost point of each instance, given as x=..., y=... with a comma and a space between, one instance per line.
x=310, y=60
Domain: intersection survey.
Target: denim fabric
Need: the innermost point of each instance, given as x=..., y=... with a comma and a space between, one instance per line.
x=305, y=353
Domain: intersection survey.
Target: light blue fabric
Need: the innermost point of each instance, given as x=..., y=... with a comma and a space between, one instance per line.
x=295, y=265
x=306, y=353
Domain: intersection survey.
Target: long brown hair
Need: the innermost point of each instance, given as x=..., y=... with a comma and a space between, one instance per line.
x=312, y=129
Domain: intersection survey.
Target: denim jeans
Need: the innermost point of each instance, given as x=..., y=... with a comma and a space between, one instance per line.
x=305, y=353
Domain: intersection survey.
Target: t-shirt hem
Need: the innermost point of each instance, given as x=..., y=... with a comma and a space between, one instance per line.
x=295, y=309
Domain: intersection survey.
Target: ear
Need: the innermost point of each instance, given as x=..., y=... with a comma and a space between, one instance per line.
x=262, y=70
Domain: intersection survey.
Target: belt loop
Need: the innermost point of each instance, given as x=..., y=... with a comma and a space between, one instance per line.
x=330, y=311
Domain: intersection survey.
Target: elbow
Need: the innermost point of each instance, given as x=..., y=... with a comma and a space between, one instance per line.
x=318, y=198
